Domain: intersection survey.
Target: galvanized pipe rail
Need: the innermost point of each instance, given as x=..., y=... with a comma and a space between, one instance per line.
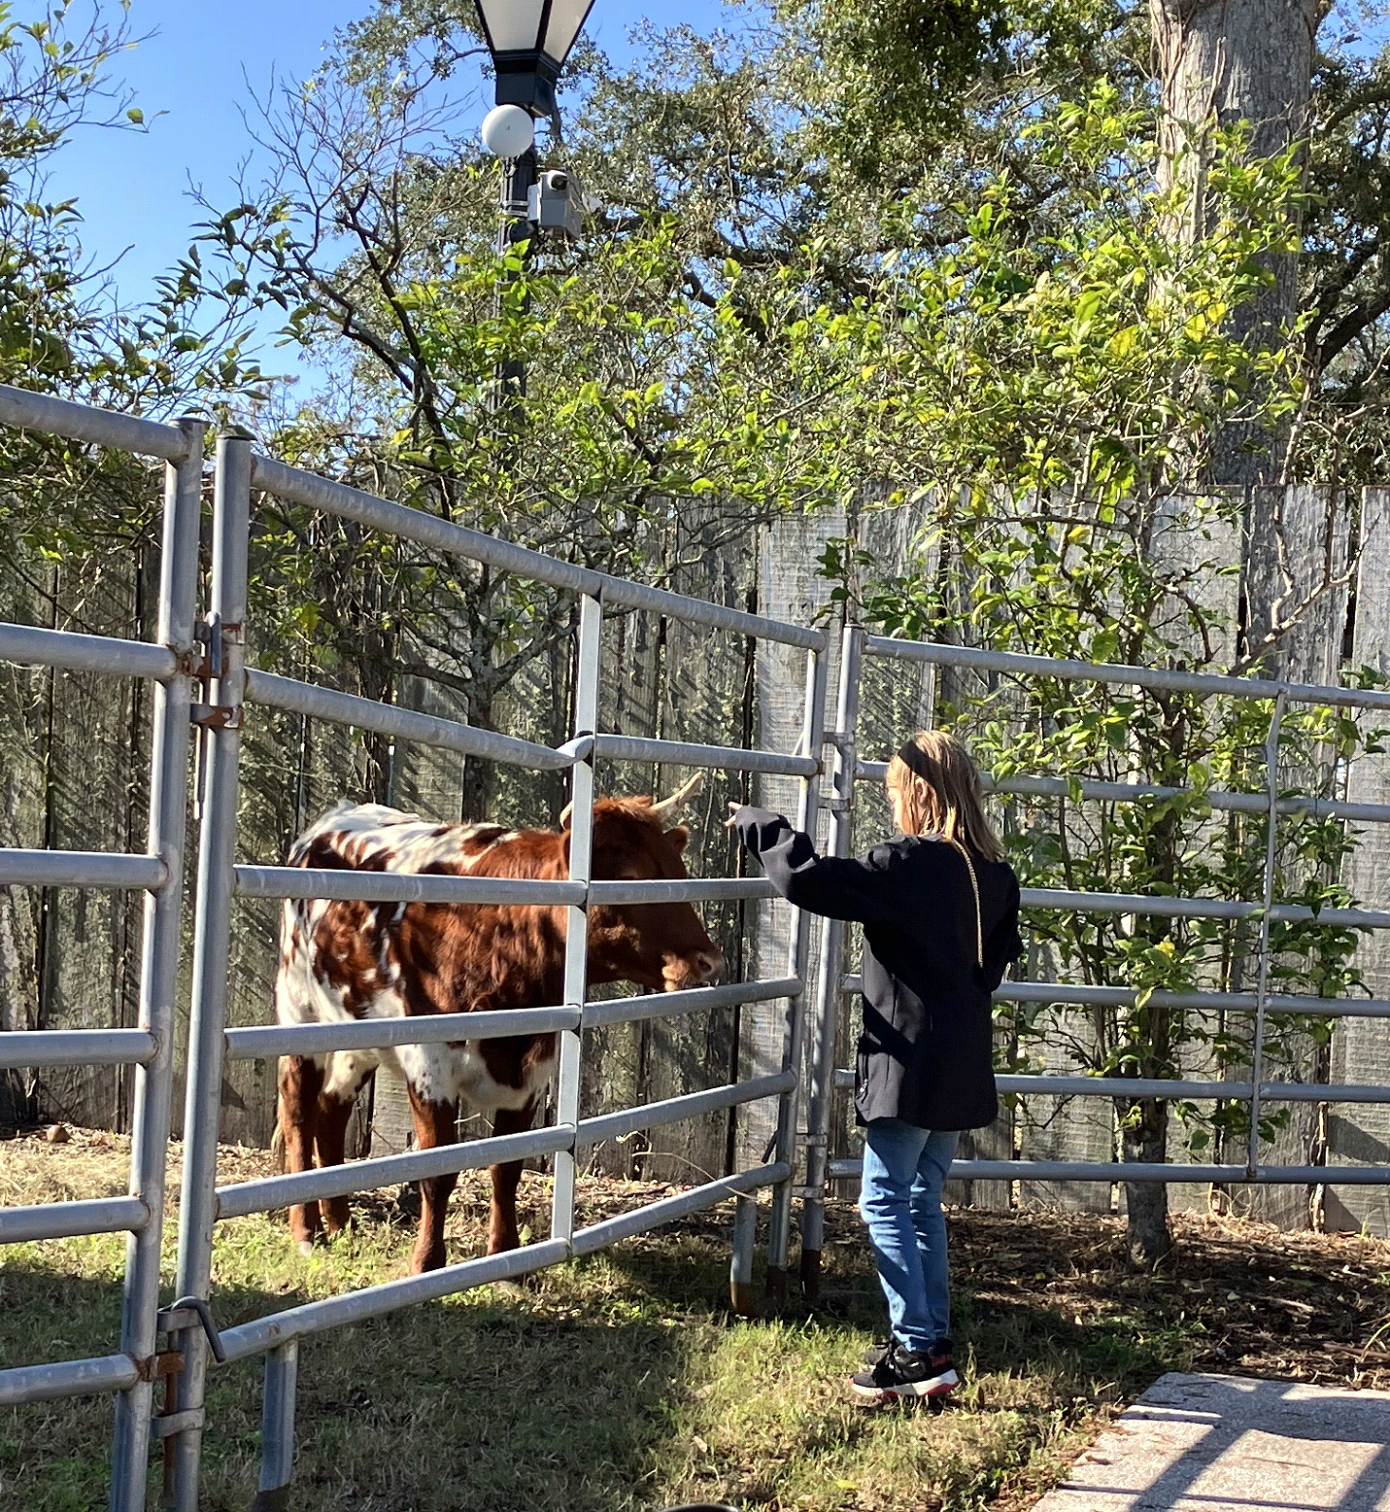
x=489, y=550
x=261, y=1042
x=1125, y=997
x=1054, y=1084
x=77, y=1047
x=271, y=691
x=1088, y=995
x=102, y=1375
x=386, y=1170
x=98, y=869
x=1261, y=1003
x=1211, y=684
x=22, y=409
x=30, y=646
x=1107, y=1173
x=170, y=663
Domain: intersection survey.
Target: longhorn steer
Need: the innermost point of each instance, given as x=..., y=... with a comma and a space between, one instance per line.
x=352, y=960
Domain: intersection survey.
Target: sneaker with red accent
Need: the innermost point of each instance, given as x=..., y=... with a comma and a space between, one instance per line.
x=904, y=1374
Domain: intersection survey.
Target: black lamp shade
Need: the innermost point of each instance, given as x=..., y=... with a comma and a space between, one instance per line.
x=529, y=41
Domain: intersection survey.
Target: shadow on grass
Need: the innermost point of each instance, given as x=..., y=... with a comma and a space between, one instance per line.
x=615, y=1383
x=559, y=1394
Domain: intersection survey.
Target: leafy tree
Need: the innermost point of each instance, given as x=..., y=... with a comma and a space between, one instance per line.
x=1063, y=397
x=650, y=375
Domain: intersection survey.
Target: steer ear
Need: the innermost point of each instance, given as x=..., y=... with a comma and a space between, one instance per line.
x=669, y=807
x=678, y=836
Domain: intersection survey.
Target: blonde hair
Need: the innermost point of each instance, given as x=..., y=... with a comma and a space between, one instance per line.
x=938, y=788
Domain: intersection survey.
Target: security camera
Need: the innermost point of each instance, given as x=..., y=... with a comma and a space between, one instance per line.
x=556, y=202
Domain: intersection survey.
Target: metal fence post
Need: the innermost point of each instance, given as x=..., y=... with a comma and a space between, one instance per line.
x=588, y=672
x=830, y=968
x=178, y=586
x=277, y=1428
x=794, y=1041
x=220, y=723
x=1276, y=719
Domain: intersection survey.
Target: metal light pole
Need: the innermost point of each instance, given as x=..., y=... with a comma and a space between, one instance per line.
x=529, y=41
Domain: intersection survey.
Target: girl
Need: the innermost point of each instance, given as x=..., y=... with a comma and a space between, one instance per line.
x=939, y=906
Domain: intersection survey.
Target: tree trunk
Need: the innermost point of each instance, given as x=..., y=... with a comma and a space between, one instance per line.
x=1218, y=62
x=1146, y=1202
x=479, y=776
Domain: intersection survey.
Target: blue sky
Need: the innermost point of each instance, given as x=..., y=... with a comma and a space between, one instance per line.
x=131, y=187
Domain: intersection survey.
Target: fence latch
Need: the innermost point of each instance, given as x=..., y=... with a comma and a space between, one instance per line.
x=186, y=1313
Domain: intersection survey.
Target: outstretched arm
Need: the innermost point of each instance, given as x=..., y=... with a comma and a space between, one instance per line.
x=838, y=888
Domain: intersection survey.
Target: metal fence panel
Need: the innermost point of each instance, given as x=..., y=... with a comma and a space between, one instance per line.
x=170, y=663
x=1264, y=912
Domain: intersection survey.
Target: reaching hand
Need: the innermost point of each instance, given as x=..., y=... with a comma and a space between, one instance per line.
x=733, y=811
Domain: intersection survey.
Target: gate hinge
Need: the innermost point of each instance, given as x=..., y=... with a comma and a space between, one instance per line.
x=217, y=716
x=166, y=1424
x=208, y=634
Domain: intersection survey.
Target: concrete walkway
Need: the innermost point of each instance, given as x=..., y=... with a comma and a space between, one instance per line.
x=1214, y=1443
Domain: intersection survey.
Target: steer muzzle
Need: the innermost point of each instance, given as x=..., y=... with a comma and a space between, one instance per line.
x=701, y=969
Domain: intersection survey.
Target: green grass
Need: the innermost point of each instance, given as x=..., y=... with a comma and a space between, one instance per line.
x=622, y=1382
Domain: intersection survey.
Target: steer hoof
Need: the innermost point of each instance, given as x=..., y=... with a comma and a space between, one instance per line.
x=427, y=1260
x=305, y=1246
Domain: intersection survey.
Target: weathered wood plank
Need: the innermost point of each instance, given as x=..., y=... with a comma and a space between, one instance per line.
x=1361, y=1047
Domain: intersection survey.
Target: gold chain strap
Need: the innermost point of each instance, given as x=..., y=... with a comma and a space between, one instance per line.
x=975, y=887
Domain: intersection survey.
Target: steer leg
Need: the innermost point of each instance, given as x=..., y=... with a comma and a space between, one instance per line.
x=301, y=1081
x=501, y=1229
x=346, y=1074
x=330, y=1137
x=434, y=1125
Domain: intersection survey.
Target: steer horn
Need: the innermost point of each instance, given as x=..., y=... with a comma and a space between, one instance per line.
x=662, y=811
x=668, y=807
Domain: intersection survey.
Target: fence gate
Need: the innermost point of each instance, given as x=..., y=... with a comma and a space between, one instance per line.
x=216, y=653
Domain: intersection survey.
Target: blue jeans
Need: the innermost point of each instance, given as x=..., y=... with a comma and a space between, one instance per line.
x=900, y=1200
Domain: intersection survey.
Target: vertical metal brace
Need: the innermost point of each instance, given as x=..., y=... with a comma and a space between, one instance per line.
x=794, y=1039
x=830, y=967
x=741, y=1297
x=277, y=1428
x=178, y=586
x=1262, y=988
x=588, y=670
x=212, y=940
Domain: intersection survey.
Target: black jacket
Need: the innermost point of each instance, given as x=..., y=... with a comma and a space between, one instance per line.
x=926, y=1051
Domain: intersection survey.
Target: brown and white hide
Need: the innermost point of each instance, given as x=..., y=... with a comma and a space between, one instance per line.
x=353, y=960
